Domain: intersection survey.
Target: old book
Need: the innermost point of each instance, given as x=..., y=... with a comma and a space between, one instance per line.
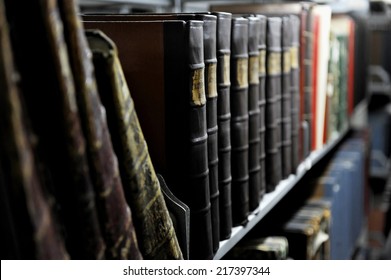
x=295, y=89
x=254, y=167
x=61, y=147
x=209, y=37
x=142, y=188
x=286, y=103
x=273, y=106
x=239, y=120
x=264, y=248
x=223, y=49
x=210, y=60
x=114, y=212
x=171, y=110
x=262, y=100
x=26, y=207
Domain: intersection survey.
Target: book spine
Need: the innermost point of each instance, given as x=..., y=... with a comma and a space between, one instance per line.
x=253, y=113
x=286, y=125
x=272, y=111
x=295, y=93
x=224, y=121
x=308, y=82
x=239, y=121
x=210, y=61
x=200, y=207
x=262, y=100
x=34, y=232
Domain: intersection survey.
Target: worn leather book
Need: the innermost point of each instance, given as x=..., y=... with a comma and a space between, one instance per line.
x=210, y=60
x=254, y=167
x=264, y=248
x=239, y=120
x=286, y=104
x=61, y=147
x=209, y=37
x=223, y=49
x=295, y=91
x=153, y=223
x=171, y=110
x=114, y=213
x=273, y=110
x=262, y=100
x=32, y=230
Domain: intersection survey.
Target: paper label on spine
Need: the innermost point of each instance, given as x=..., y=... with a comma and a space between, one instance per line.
x=295, y=57
x=212, y=80
x=226, y=69
x=198, y=87
x=274, y=63
x=253, y=70
x=242, y=72
x=287, y=61
x=262, y=62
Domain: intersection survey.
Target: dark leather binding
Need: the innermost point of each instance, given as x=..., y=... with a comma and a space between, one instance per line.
x=295, y=93
x=60, y=143
x=308, y=80
x=254, y=30
x=171, y=109
x=223, y=39
x=262, y=100
x=239, y=120
x=286, y=125
x=210, y=60
x=273, y=105
x=29, y=228
x=153, y=224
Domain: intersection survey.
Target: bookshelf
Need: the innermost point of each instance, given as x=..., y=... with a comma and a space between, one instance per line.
x=271, y=199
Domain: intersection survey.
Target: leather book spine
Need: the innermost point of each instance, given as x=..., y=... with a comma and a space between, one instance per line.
x=60, y=143
x=286, y=126
x=254, y=167
x=34, y=233
x=210, y=60
x=294, y=89
x=198, y=188
x=308, y=80
x=223, y=45
x=114, y=212
x=239, y=121
x=156, y=235
x=262, y=100
x=272, y=111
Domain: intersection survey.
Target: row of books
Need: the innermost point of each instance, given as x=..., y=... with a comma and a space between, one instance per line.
x=330, y=219
x=76, y=178
x=232, y=101
x=229, y=102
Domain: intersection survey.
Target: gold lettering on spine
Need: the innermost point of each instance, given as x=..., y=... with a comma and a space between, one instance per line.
x=295, y=57
x=274, y=63
x=253, y=70
x=242, y=72
x=198, y=87
x=287, y=62
x=212, y=80
x=262, y=62
x=226, y=69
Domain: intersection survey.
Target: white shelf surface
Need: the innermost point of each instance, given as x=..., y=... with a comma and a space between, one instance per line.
x=269, y=200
